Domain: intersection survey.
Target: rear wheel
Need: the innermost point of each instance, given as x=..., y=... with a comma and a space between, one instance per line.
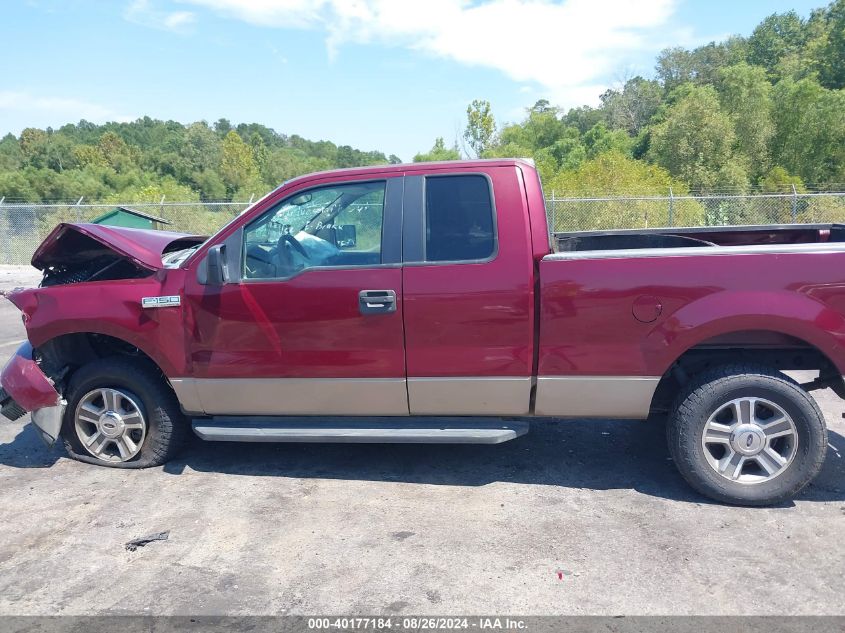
x=121, y=413
x=747, y=435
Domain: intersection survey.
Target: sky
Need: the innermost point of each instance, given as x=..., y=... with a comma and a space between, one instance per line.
x=387, y=75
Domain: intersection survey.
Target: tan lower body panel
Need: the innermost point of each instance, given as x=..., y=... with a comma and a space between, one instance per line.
x=292, y=396
x=558, y=396
x=595, y=396
x=469, y=396
x=186, y=393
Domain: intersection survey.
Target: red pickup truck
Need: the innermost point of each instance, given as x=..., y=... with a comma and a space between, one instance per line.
x=429, y=303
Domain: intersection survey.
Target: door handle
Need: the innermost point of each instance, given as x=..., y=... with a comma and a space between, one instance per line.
x=377, y=301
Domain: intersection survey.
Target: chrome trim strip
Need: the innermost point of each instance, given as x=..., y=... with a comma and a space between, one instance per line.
x=470, y=396
x=701, y=251
x=403, y=430
x=293, y=396
x=595, y=396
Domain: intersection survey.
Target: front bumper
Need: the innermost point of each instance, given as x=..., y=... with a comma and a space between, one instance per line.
x=26, y=388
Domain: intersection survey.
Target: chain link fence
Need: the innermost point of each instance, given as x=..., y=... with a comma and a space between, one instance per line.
x=23, y=225
x=604, y=213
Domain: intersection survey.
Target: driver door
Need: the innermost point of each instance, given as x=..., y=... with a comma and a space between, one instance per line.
x=312, y=322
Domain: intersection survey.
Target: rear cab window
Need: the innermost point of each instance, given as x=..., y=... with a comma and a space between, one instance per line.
x=460, y=223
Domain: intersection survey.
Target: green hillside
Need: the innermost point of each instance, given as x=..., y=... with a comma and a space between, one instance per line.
x=759, y=112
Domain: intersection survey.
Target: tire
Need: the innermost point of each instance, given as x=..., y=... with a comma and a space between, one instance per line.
x=134, y=387
x=757, y=426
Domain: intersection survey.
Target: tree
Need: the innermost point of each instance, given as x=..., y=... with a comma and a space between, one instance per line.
x=810, y=130
x=346, y=157
x=222, y=127
x=778, y=180
x=614, y=174
x=695, y=142
x=148, y=155
x=481, y=127
x=14, y=186
x=708, y=59
x=542, y=128
x=631, y=108
x=569, y=150
x=778, y=36
x=832, y=52
x=201, y=147
x=11, y=157
x=438, y=152
x=260, y=154
x=167, y=187
x=210, y=185
x=599, y=139
x=89, y=155
x=543, y=137
x=116, y=153
x=33, y=145
x=237, y=166
x=583, y=118
x=745, y=94
x=675, y=66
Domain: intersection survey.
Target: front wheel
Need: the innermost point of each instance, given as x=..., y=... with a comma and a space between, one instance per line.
x=747, y=435
x=121, y=413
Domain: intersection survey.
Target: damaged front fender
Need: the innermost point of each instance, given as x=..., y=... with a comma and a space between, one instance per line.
x=27, y=388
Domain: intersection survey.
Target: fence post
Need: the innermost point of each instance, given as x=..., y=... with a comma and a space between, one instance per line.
x=671, y=207
x=6, y=227
x=794, y=204
x=250, y=199
x=78, y=210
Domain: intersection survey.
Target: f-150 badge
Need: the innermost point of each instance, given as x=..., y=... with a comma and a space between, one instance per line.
x=161, y=302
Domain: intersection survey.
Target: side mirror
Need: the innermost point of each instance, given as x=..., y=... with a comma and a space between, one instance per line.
x=346, y=236
x=216, y=267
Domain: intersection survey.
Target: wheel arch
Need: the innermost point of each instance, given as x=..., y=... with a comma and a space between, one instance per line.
x=773, y=347
x=63, y=354
x=786, y=312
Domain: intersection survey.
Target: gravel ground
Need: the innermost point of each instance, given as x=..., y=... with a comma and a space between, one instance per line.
x=577, y=517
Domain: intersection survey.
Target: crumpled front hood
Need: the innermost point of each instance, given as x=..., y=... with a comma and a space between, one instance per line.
x=144, y=247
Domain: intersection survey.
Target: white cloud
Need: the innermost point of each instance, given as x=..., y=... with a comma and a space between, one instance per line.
x=144, y=13
x=42, y=111
x=567, y=47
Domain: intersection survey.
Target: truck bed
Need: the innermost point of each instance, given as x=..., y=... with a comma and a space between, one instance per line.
x=695, y=237
x=618, y=308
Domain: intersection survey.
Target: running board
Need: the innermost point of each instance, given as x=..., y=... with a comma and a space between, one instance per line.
x=370, y=430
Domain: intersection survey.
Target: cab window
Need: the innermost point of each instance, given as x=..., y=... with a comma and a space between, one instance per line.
x=336, y=225
x=459, y=224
